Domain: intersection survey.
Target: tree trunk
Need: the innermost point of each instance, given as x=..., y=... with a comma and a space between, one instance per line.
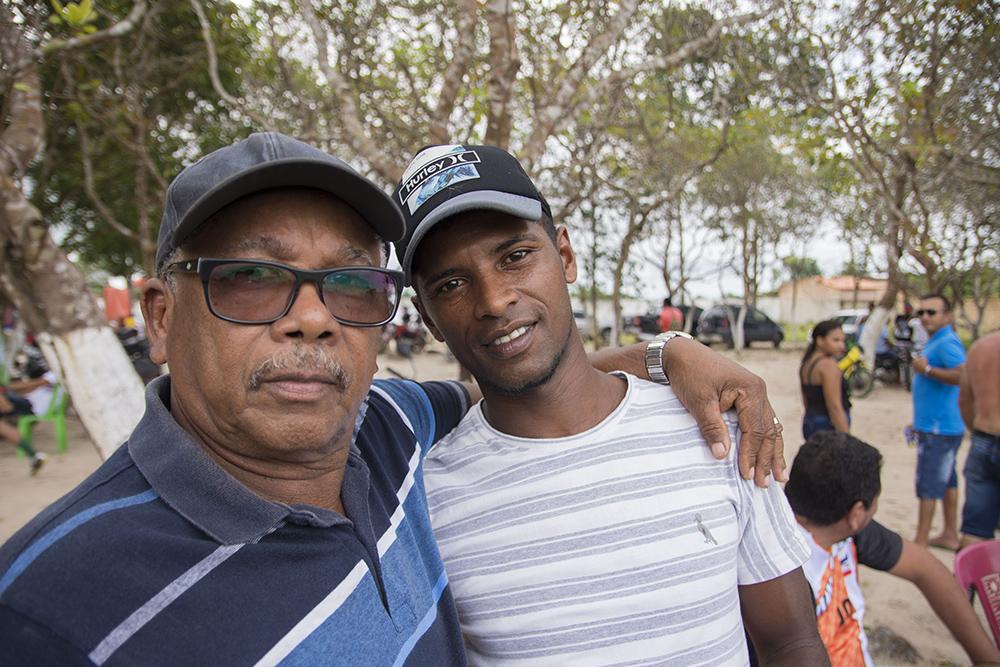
x=50, y=293
x=739, y=340
x=52, y=296
x=795, y=298
x=880, y=315
x=504, y=66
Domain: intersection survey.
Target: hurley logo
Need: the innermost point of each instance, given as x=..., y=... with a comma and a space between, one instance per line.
x=435, y=169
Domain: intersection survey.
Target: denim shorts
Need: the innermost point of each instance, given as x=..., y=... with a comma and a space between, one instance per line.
x=813, y=423
x=936, y=464
x=982, y=486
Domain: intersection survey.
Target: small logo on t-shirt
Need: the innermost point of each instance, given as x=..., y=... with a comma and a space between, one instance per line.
x=704, y=530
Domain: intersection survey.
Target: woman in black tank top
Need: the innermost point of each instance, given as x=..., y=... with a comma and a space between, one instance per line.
x=824, y=392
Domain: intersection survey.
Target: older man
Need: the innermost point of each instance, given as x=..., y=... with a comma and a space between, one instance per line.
x=269, y=506
x=581, y=517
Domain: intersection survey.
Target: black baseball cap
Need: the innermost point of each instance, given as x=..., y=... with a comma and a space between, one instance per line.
x=448, y=179
x=264, y=161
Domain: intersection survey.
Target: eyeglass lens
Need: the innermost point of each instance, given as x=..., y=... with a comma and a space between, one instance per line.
x=930, y=312
x=261, y=293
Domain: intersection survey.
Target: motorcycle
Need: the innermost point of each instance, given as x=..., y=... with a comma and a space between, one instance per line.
x=408, y=337
x=894, y=365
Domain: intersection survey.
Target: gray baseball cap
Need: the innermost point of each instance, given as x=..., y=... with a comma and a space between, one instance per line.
x=264, y=161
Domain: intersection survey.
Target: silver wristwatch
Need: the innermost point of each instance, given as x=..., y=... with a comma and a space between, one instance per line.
x=654, y=355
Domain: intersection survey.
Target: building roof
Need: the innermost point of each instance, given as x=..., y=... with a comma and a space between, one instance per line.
x=845, y=283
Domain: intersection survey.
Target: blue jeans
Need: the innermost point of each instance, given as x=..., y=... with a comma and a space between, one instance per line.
x=936, y=464
x=982, y=486
x=813, y=423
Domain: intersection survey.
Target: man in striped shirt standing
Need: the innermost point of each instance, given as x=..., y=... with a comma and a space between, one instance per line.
x=580, y=515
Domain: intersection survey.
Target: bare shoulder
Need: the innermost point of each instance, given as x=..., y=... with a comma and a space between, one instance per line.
x=827, y=366
x=983, y=359
x=986, y=349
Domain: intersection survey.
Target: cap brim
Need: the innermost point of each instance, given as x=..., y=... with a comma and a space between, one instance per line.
x=489, y=200
x=374, y=206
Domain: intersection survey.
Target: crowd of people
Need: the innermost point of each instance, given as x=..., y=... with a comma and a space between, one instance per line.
x=276, y=503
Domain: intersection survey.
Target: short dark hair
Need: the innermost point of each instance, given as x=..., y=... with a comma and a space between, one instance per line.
x=548, y=225
x=938, y=295
x=831, y=472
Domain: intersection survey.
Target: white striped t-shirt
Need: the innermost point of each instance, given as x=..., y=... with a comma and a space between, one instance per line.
x=621, y=545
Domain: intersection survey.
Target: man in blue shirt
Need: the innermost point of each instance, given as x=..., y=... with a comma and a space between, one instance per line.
x=937, y=421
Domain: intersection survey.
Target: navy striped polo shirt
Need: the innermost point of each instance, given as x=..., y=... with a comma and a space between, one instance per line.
x=161, y=557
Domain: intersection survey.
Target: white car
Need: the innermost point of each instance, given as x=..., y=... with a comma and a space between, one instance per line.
x=849, y=319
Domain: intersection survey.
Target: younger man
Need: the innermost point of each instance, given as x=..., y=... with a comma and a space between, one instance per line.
x=833, y=489
x=937, y=421
x=580, y=515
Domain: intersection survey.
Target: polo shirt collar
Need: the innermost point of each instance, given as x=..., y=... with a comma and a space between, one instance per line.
x=943, y=332
x=199, y=489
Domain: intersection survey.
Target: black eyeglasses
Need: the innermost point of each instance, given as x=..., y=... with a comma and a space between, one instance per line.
x=929, y=312
x=250, y=291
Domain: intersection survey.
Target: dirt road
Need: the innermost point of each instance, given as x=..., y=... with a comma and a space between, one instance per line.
x=895, y=608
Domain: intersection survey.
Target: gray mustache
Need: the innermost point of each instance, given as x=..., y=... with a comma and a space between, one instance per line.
x=307, y=360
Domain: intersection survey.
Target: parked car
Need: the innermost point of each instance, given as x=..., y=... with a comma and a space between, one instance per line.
x=716, y=326
x=850, y=319
x=645, y=327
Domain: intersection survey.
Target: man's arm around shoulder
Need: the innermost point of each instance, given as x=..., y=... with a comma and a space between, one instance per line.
x=780, y=619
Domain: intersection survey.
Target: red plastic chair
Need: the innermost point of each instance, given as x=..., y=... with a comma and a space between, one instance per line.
x=977, y=569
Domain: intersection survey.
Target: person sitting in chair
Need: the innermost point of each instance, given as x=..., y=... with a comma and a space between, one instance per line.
x=833, y=489
x=12, y=406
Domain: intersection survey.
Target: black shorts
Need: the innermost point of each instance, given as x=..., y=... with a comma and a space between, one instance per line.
x=22, y=406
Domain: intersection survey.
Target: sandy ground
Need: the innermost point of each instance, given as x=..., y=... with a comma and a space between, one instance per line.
x=879, y=419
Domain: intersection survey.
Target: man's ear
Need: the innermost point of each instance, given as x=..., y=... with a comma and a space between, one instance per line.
x=157, y=303
x=428, y=322
x=857, y=516
x=565, y=249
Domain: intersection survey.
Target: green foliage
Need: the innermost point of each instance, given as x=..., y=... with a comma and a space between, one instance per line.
x=800, y=267
x=146, y=107
x=77, y=16
x=918, y=78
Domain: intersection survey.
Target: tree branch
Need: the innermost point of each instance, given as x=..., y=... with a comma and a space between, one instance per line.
x=88, y=186
x=213, y=71
x=354, y=132
x=454, y=74
x=24, y=134
x=123, y=27
x=504, y=66
x=554, y=111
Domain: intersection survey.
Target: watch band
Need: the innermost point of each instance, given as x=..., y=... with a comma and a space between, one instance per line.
x=654, y=355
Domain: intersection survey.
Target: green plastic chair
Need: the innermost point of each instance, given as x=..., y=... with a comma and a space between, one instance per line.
x=56, y=414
